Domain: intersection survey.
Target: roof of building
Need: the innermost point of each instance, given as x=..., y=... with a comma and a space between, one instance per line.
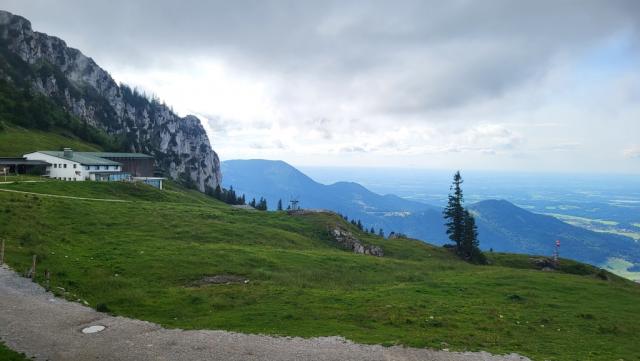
x=117, y=155
x=21, y=161
x=85, y=158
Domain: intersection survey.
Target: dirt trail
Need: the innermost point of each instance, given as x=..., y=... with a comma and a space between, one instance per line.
x=48, y=328
x=60, y=196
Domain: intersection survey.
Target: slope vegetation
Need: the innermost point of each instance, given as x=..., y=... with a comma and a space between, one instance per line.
x=149, y=258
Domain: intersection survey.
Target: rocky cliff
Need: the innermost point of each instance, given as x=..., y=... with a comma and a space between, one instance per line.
x=47, y=65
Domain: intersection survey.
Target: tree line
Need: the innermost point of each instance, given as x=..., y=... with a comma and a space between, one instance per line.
x=229, y=196
x=358, y=224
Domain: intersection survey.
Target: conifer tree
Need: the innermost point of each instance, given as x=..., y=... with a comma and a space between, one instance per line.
x=454, y=213
x=262, y=204
x=381, y=233
x=279, y=204
x=359, y=225
x=461, y=226
x=217, y=193
x=470, y=235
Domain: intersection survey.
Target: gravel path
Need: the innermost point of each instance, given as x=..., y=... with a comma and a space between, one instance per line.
x=48, y=328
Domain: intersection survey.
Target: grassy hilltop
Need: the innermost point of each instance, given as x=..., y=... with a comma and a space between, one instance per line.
x=143, y=258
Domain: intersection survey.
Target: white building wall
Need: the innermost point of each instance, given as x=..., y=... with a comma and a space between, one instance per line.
x=61, y=168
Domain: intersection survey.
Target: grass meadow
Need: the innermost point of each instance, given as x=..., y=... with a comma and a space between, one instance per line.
x=143, y=258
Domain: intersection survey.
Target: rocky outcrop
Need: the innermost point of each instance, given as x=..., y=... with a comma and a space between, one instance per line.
x=348, y=241
x=46, y=64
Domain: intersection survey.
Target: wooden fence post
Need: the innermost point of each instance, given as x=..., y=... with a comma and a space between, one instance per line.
x=47, y=277
x=33, y=268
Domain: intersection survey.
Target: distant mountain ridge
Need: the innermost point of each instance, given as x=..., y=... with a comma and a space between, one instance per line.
x=502, y=225
x=509, y=228
x=276, y=180
x=36, y=62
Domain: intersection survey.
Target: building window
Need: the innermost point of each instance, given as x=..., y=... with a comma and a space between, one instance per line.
x=65, y=165
x=55, y=166
x=74, y=166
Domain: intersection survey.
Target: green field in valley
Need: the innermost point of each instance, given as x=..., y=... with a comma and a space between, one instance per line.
x=146, y=257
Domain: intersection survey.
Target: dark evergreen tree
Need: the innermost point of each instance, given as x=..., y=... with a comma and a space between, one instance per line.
x=469, y=236
x=372, y=231
x=217, y=193
x=470, y=242
x=454, y=213
x=381, y=233
x=359, y=225
x=461, y=226
x=253, y=203
x=279, y=204
x=262, y=204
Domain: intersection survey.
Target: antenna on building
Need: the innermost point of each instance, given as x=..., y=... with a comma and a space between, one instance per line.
x=294, y=203
x=556, y=254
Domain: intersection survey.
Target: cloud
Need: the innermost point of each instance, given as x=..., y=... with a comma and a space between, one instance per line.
x=632, y=152
x=352, y=150
x=455, y=82
x=411, y=56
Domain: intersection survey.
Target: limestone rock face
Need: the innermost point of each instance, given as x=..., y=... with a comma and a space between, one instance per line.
x=46, y=64
x=347, y=240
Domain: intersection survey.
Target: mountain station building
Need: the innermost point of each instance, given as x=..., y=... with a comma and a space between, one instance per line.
x=68, y=165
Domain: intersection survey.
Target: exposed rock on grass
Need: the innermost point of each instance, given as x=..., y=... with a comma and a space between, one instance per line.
x=349, y=241
x=221, y=280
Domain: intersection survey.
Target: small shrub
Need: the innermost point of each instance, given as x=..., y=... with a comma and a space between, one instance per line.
x=608, y=329
x=102, y=307
x=577, y=269
x=516, y=298
x=602, y=274
x=432, y=322
x=586, y=316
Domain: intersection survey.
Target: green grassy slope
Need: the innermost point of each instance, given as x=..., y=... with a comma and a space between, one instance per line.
x=142, y=259
x=15, y=141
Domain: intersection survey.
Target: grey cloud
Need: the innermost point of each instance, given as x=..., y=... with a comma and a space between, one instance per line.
x=430, y=54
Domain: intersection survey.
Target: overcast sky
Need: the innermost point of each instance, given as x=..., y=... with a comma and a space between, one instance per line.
x=512, y=85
